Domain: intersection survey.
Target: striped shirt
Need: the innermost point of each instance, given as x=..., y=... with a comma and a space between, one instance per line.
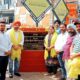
x=76, y=43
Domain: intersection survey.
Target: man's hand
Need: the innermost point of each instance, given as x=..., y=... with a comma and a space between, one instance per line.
x=75, y=55
x=72, y=57
x=48, y=48
x=16, y=47
x=57, y=52
x=19, y=45
x=8, y=52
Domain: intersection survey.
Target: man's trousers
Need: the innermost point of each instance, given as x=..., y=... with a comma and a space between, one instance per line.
x=3, y=67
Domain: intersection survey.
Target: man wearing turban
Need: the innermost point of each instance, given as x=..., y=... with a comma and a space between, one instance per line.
x=74, y=66
x=17, y=39
x=66, y=55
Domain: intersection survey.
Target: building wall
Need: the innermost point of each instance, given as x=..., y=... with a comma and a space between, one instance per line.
x=22, y=14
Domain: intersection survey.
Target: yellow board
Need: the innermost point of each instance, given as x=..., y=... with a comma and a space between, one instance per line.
x=37, y=6
x=61, y=10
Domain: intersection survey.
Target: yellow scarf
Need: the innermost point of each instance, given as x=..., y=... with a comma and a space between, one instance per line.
x=53, y=39
x=15, y=53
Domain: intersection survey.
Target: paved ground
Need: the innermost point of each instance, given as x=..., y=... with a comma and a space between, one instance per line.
x=33, y=76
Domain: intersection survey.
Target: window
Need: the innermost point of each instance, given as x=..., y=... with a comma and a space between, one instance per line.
x=7, y=2
x=1, y=2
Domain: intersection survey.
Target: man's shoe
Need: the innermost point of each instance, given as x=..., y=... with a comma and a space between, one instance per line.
x=17, y=74
x=10, y=76
x=63, y=79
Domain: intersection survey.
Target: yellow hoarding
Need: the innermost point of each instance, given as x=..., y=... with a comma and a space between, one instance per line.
x=61, y=10
x=37, y=6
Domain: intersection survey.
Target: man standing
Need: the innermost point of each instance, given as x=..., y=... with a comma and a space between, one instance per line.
x=71, y=28
x=5, y=47
x=74, y=67
x=17, y=40
x=59, y=44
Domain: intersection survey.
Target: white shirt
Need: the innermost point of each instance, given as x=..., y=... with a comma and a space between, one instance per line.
x=22, y=41
x=61, y=41
x=5, y=43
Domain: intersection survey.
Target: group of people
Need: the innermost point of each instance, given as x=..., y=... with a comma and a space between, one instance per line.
x=62, y=49
x=11, y=44
x=63, y=44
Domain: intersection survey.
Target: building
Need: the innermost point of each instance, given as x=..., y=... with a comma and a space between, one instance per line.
x=7, y=9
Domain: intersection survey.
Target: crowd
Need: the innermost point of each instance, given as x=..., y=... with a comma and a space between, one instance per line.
x=62, y=49
x=62, y=46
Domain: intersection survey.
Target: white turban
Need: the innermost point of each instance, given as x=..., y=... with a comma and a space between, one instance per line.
x=71, y=26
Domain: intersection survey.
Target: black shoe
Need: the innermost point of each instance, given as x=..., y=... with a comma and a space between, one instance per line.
x=63, y=79
x=17, y=74
x=10, y=76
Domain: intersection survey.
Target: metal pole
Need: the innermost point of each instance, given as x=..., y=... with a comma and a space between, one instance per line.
x=36, y=23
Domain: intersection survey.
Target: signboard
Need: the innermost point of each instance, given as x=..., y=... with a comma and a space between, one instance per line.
x=37, y=8
x=61, y=10
x=34, y=41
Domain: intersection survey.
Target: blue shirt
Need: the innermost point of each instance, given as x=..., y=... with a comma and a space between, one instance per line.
x=5, y=43
x=58, y=30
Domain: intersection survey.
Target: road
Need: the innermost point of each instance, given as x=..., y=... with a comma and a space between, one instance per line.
x=33, y=76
